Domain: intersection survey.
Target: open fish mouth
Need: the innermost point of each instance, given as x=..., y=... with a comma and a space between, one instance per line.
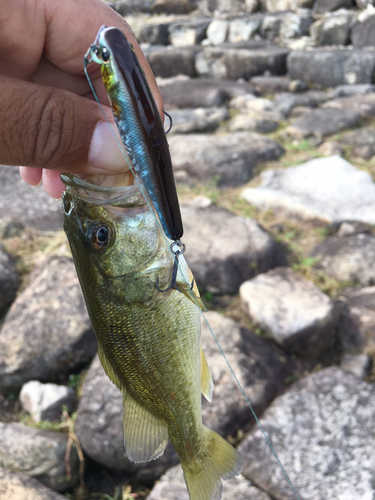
x=115, y=190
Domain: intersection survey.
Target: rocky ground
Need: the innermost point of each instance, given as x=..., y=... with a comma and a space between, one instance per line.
x=273, y=146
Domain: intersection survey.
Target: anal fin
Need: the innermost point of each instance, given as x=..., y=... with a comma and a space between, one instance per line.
x=145, y=435
x=207, y=385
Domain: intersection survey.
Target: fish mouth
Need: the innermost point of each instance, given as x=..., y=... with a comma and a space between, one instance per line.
x=118, y=190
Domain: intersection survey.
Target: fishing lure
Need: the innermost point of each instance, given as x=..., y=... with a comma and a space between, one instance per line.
x=139, y=124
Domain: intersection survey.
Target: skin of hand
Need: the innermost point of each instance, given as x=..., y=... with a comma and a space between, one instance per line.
x=49, y=119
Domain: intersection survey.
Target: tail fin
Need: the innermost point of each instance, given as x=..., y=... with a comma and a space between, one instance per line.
x=219, y=460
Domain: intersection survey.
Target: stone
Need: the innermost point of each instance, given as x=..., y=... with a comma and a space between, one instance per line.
x=336, y=28
x=202, y=92
x=350, y=90
x=332, y=67
x=222, y=160
x=362, y=104
x=186, y=121
x=361, y=307
x=38, y=453
x=349, y=258
x=217, y=31
x=19, y=486
x=290, y=310
x=322, y=431
x=37, y=210
x=363, y=33
x=358, y=364
x=131, y=7
x=321, y=6
x=361, y=142
x=9, y=279
x=172, y=487
x=234, y=63
x=330, y=148
x=267, y=85
x=47, y=332
x=168, y=62
x=362, y=4
x=284, y=5
x=299, y=191
x=220, y=261
x=99, y=429
x=188, y=33
x=154, y=33
x=322, y=122
x=45, y=401
x=285, y=101
x=172, y=7
x=248, y=122
x=262, y=369
x=244, y=28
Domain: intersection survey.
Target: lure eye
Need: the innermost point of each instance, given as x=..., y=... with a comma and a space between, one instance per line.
x=105, y=55
x=100, y=236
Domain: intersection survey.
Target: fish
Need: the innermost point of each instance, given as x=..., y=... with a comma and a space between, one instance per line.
x=148, y=341
x=139, y=123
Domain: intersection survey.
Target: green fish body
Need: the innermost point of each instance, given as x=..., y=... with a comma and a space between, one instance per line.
x=149, y=342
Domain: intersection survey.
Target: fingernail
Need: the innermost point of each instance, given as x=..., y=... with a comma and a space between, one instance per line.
x=37, y=185
x=105, y=152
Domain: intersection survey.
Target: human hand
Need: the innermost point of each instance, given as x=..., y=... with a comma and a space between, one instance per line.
x=48, y=119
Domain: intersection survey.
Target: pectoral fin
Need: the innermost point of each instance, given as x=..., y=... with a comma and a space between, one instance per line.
x=207, y=385
x=108, y=368
x=192, y=293
x=145, y=435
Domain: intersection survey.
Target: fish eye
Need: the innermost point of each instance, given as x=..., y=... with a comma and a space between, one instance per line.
x=100, y=236
x=105, y=55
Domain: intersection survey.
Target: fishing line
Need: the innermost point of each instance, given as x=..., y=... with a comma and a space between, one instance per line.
x=191, y=292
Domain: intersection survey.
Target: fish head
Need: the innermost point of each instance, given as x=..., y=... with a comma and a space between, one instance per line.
x=116, y=242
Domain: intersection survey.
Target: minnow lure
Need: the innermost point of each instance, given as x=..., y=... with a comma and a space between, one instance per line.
x=139, y=124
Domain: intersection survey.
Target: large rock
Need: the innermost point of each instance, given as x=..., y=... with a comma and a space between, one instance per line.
x=262, y=369
x=329, y=68
x=363, y=33
x=224, y=250
x=244, y=28
x=322, y=430
x=322, y=122
x=286, y=101
x=267, y=85
x=362, y=104
x=172, y=61
x=37, y=453
x=37, y=209
x=19, y=486
x=361, y=142
x=286, y=25
x=350, y=90
x=321, y=6
x=45, y=401
x=202, y=92
x=47, y=332
x=225, y=160
x=172, y=487
x=349, y=258
x=9, y=279
x=99, y=429
x=316, y=190
x=291, y=310
x=233, y=63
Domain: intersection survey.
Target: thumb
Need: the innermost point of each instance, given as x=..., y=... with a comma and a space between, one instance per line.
x=55, y=129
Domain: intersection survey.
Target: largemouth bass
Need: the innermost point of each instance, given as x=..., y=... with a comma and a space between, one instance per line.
x=149, y=342
x=139, y=124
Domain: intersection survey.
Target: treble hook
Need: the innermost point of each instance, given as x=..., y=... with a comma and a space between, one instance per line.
x=176, y=254
x=170, y=121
